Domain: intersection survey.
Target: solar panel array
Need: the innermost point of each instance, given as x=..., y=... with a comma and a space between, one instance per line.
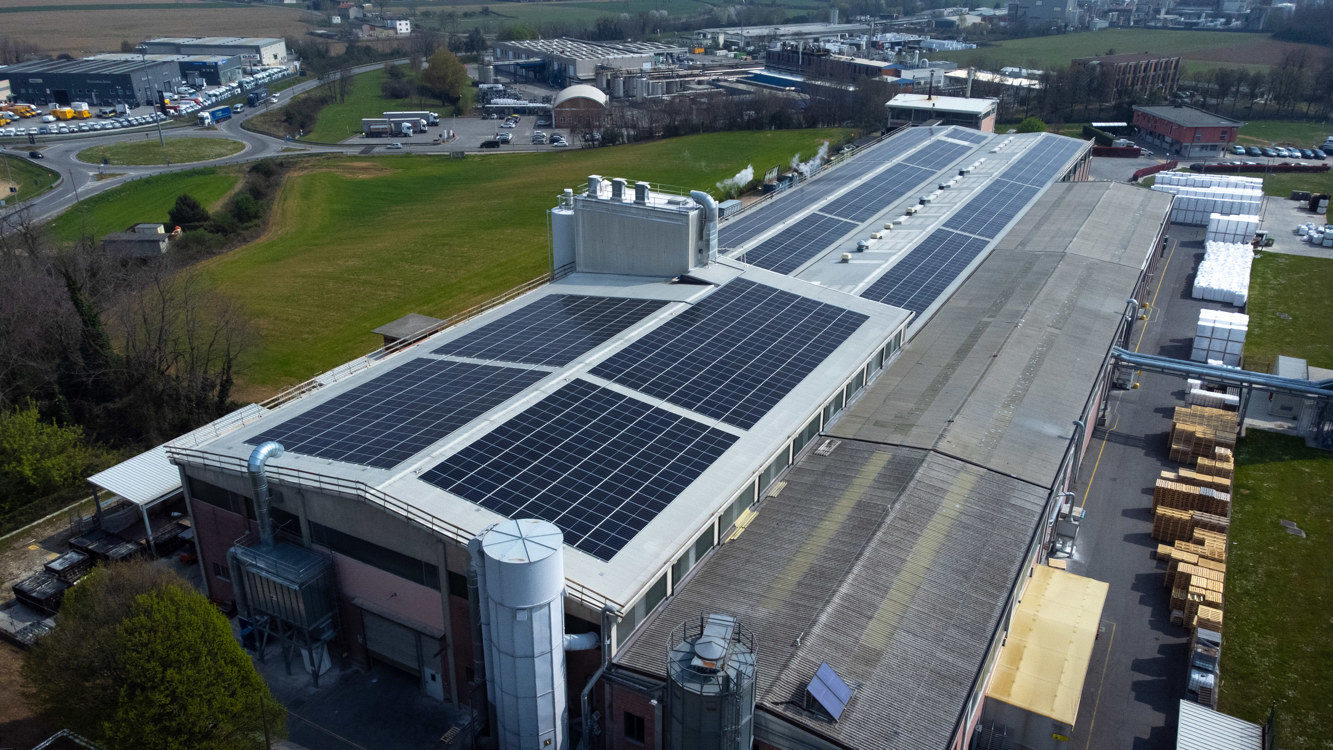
x=789, y=249
x=878, y=192
x=971, y=136
x=390, y=418
x=828, y=689
x=1039, y=164
x=554, y=330
x=596, y=463
x=917, y=280
x=734, y=354
x=988, y=213
x=938, y=155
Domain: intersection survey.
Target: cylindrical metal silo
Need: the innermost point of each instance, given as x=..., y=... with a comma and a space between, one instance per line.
x=485, y=74
x=711, y=687
x=525, y=655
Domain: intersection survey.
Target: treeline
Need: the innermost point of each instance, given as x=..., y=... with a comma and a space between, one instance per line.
x=102, y=356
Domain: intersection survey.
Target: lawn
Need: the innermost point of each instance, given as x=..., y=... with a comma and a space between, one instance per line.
x=150, y=151
x=338, y=122
x=1277, y=643
x=1281, y=184
x=1199, y=49
x=146, y=200
x=1296, y=287
x=357, y=242
x=1284, y=133
x=31, y=178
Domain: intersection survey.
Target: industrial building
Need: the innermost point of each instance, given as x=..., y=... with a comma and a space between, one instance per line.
x=197, y=70
x=580, y=107
x=95, y=81
x=257, y=51
x=1044, y=14
x=761, y=37
x=1133, y=75
x=567, y=62
x=909, y=109
x=1186, y=131
x=756, y=498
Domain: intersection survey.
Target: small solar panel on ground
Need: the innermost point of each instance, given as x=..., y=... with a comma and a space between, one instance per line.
x=596, y=463
x=828, y=689
x=791, y=248
x=387, y=419
x=554, y=330
x=916, y=281
x=735, y=353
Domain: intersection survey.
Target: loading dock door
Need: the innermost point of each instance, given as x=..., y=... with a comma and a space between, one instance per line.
x=392, y=643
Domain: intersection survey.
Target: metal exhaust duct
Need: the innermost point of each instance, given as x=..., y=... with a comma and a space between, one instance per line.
x=709, y=250
x=618, y=189
x=259, y=488
x=641, y=193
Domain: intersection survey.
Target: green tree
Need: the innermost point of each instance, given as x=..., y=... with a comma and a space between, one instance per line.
x=138, y=659
x=476, y=42
x=37, y=457
x=1032, y=125
x=445, y=77
x=188, y=211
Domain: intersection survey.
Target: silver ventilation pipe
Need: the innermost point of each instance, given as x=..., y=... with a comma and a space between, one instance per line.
x=259, y=488
x=710, y=223
x=585, y=697
x=484, y=615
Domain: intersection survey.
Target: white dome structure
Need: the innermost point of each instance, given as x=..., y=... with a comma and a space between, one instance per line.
x=580, y=107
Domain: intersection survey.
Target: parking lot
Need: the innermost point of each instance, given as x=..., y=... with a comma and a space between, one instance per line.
x=471, y=132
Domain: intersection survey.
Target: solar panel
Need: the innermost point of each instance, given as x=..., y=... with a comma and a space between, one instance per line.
x=988, y=213
x=596, y=463
x=554, y=330
x=828, y=689
x=791, y=248
x=878, y=193
x=390, y=418
x=734, y=354
x=937, y=155
x=971, y=136
x=915, y=282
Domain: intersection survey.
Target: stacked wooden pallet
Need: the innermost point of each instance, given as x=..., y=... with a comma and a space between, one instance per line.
x=1221, y=464
x=1208, y=618
x=1198, y=479
x=1170, y=524
x=1191, y=497
x=1196, y=572
x=1198, y=431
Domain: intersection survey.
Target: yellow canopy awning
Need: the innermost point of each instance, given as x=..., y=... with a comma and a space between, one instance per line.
x=1045, y=657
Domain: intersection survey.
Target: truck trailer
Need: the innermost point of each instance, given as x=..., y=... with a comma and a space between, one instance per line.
x=426, y=118
x=214, y=116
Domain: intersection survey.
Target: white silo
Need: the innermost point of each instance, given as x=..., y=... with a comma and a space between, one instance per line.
x=521, y=585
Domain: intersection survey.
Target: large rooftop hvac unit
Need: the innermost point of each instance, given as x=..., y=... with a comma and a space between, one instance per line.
x=711, y=687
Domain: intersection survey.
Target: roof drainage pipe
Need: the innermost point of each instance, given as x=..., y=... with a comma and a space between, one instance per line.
x=585, y=698
x=710, y=224
x=259, y=487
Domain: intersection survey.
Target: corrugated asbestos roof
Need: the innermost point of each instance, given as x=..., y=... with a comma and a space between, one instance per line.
x=892, y=558
x=1202, y=728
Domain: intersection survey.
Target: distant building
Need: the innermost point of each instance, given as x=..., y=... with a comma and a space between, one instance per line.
x=570, y=61
x=255, y=50
x=96, y=81
x=139, y=241
x=4, y=90
x=745, y=37
x=1134, y=74
x=820, y=63
x=1186, y=131
x=978, y=114
x=1044, y=13
x=211, y=70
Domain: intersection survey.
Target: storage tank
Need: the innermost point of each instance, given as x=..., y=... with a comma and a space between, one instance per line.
x=618, y=87
x=711, y=687
x=522, y=584
x=485, y=74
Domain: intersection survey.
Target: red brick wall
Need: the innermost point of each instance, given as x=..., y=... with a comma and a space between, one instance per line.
x=217, y=529
x=622, y=700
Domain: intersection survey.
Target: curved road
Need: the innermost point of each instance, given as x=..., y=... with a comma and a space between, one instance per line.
x=79, y=179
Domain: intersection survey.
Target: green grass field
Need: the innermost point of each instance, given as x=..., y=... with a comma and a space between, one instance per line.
x=1200, y=50
x=150, y=151
x=1283, y=133
x=1278, y=640
x=1298, y=287
x=1281, y=185
x=31, y=178
x=357, y=242
x=338, y=122
x=146, y=200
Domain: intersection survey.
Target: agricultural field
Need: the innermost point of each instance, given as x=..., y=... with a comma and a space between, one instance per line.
x=468, y=14
x=30, y=178
x=92, y=26
x=1278, y=640
x=356, y=242
x=151, y=151
x=146, y=200
x=1200, y=50
x=1284, y=133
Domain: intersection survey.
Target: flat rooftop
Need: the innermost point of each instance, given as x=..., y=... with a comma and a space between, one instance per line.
x=1190, y=117
x=942, y=103
x=891, y=547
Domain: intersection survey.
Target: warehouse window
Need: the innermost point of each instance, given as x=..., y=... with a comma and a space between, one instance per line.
x=387, y=560
x=634, y=728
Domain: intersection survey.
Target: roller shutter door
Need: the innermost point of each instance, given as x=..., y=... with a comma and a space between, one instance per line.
x=392, y=643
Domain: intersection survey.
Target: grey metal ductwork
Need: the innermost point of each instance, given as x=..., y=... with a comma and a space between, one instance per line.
x=585, y=701
x=238, y=589
x=259, y=487
x=594, y=186
x=483, y=612
x=618, y=189
x=582, y=641
x=641, y=193
x=709, y=251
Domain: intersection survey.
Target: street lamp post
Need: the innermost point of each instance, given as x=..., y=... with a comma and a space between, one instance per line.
x=143, y=57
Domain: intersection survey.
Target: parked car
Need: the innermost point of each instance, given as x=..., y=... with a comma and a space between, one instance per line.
x=1238, y=150
x=1319, y=153
x=1307, y=153
x=1253, y=151
x=1270, y=153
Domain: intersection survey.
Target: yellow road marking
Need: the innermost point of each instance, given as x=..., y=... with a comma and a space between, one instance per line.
x=1153, y=304
x=1098, y=462
x=1097, y=703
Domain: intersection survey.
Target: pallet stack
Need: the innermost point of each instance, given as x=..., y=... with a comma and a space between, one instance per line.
x=1198, y=431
